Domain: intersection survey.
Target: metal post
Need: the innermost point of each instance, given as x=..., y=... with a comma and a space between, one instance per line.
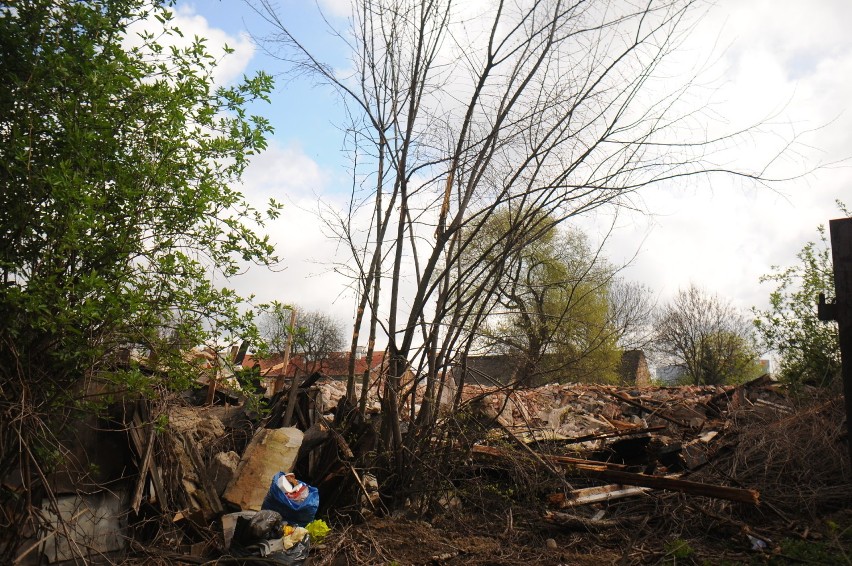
x=841, y=254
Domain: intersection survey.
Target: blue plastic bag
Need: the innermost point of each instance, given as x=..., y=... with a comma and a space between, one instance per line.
x=295, y=513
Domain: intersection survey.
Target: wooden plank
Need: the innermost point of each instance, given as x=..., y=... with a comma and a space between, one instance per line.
x=214, y=505
x=605, y=471
x=598, y=494
x=279, y=380
x=675, y=484
x=137, y=435
x=294, y=384
x=143, y=472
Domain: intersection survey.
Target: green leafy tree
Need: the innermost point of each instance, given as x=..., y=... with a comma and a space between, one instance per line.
x=552, y=304
x=808, y=348
x=117, y=202
x=274, y=326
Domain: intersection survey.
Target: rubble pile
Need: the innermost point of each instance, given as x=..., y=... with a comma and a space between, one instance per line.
x=563, y=412
x=189, y=483
x=739, y=444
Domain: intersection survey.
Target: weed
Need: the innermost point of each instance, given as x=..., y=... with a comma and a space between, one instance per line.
x=678, y=549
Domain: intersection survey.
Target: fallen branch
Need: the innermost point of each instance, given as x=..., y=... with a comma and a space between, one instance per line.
x=607, y=471
x=532, y=452
x=505, y=454
x=674, y=484
x=590, y=495
x=575, y=522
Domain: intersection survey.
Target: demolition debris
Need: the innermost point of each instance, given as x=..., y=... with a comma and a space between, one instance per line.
x=194, y=478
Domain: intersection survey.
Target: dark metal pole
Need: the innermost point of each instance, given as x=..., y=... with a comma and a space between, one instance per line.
x=841, y=255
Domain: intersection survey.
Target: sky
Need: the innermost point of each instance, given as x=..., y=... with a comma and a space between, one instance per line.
x=786, y=63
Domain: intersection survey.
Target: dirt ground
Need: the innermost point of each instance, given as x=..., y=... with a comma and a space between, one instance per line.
x=397, y=541
x=404, y=542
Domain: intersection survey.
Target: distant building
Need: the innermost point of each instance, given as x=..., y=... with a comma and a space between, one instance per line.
x=334, y=366
x=503, y=369
x=497, y=369
x=634, y=369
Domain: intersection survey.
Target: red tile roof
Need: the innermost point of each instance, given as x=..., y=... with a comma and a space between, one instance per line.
x=335, y=364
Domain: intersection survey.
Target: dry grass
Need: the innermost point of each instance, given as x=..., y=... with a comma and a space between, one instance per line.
x=798, y=461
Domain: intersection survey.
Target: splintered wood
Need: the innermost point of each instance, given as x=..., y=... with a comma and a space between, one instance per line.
x=632, y=440
x=609, y=471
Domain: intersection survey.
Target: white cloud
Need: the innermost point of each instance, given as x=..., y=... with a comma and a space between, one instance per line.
x=306, y=274
x=793, y=59
x=786, y=59
x=336, y=8
x=230, y=66
x=285, y=171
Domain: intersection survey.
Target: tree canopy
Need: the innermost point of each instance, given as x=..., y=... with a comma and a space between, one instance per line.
x=553, y=306
x=316, y=335
x=808, y=348
x=119, y=159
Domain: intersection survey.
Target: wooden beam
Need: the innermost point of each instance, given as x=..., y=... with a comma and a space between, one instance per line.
x=674, y=484
x=294, y=385
x=143, y=471
x=136, y=430
x=607, y=471
x=598, y=494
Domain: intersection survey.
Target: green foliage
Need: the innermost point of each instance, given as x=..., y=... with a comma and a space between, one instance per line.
x=808, y=347
x=118, y=162
x=161, y=422
x=316, y=335
x=727, y=357
x=810, y=552
x=678, y=549
x=832, y=548
x=553, y=300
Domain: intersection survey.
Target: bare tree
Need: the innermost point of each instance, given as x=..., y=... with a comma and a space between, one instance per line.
x=538, y=110
x=631, y=313
x=274, y=327
x=316, y=336
x=706, y=337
